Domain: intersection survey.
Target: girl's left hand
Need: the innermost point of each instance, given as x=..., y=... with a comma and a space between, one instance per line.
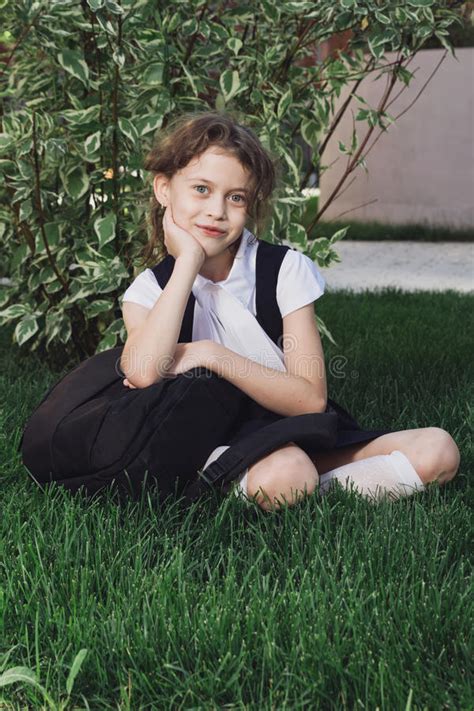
x=187, y=356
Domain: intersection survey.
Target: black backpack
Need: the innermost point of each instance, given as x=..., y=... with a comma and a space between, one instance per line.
x=91, y=431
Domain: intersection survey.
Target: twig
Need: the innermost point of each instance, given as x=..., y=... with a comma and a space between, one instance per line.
x=358, y=153
x=409, y=105
x=20, y=40
x=354, y=208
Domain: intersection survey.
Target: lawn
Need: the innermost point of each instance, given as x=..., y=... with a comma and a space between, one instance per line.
x=381, y=231
x=335, y=603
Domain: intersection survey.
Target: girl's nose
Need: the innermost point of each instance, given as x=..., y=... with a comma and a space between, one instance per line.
x=216, y=207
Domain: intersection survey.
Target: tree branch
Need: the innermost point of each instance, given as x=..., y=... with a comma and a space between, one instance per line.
x=353, y=163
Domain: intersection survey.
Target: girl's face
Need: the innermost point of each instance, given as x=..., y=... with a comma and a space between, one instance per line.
x=211, y=190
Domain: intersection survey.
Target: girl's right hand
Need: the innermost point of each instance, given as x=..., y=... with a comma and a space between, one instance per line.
x=178, y=241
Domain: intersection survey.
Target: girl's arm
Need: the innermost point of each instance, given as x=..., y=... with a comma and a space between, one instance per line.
x=302, y=389
x=150, y=347
x=283, y=393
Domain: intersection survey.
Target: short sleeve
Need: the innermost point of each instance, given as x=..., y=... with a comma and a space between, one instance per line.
x=299, y=282
x=144, y=290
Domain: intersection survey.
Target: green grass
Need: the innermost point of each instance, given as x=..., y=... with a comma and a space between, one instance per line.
x=381, y=231
x=335, y=603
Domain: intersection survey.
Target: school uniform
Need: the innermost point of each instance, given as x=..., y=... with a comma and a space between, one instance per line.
x=89, y=427
x=226, y=312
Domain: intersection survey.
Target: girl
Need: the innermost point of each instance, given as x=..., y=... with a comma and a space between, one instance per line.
x=212, y=182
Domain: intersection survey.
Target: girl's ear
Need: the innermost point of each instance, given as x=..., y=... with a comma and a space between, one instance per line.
x=160, y=188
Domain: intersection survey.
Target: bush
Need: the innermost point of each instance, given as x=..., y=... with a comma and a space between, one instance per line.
x=87, y=85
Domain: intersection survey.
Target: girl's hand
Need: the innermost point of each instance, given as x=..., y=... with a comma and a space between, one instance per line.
x=178, y=241
x=128, y=384
x=186, y=356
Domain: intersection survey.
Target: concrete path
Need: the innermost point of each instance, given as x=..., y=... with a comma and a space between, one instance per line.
x=411, y=266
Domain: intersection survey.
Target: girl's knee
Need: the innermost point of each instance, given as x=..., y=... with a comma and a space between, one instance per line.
x=442, y=462
x=286, y=474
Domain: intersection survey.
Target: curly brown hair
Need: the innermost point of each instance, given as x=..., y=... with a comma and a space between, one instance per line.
x=188, y=136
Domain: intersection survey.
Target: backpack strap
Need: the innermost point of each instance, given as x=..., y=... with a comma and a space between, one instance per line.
x=268, y=263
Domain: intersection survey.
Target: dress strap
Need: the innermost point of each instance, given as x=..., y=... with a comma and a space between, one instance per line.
x=268, y=263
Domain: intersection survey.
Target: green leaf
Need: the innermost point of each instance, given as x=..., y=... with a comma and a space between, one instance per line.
x=172, y=23
x=148, y=123
x=14, y=311
x=340, y=234
x=420, y=3
x=76, y=666
x=270, y=10
x=190, y=27
x=98, y=307
x=230, y=84
x=297, y=234
x=343, y=147
x=104, y=227
x=47, y=274
x=53, y=286
x=190, y=78
x=118, y=57
x=26, y=208
x=27, y=328
x=284, y=103
x=299, y=7
x=310, y=130
x=6, y=166
x=128, y=129
x=5, y=142
x=235, y=44
x=52, y=327
x=76, y=183
x=82, y=116
x=104, y=22
x=81, y=292
x=74, y=63
x=92, y=144
x=18, y=256
x=153, y=73
x=114, y=7
x=65, y=330
x=108, y=341
x=362, y=114
x=115, y=327
x=291, y=164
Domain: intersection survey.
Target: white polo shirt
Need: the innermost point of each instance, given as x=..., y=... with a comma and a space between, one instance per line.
x=225, y=311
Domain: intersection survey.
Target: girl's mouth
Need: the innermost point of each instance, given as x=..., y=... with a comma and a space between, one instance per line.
x=211, y=233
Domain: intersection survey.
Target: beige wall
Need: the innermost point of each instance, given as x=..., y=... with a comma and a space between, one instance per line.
x=422, y=168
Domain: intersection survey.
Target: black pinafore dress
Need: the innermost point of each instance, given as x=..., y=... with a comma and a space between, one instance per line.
x=90, y=431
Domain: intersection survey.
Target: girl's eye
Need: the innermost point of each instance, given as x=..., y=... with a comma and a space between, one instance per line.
x=242, y=199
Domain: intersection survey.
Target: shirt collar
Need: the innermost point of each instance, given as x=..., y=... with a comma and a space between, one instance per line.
x=241, y=278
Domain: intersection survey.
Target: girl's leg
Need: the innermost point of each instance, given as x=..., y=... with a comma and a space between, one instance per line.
x=286, y=475
x=431, y=451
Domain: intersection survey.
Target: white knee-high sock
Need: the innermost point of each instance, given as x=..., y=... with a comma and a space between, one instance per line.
x=375, y=477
